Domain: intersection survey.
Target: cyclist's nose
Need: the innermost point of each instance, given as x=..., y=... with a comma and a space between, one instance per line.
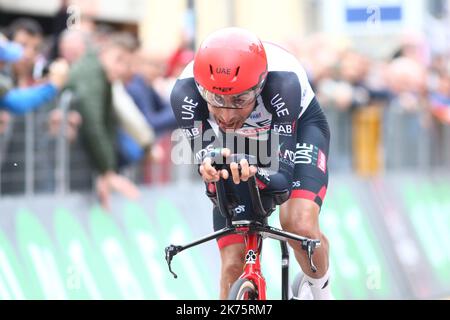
x=228, y=115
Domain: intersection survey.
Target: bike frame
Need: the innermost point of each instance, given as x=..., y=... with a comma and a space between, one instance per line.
x=254, y=232
x=252, y=269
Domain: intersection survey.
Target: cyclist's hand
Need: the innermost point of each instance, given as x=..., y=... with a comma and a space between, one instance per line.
x=247, y=171
x=209, y=173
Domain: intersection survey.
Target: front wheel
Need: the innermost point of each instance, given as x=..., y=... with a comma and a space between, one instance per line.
x=243, y=289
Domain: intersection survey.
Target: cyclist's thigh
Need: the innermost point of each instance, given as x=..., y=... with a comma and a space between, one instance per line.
x=233, y=254
x=310, y=180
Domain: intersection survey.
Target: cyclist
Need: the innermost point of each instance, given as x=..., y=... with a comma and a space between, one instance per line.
x=239, y=86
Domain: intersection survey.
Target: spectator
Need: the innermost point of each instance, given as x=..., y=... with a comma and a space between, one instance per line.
x=135, y=135
x=22, y=100
x=319, y=57
x=407, y=81
x=149, y=68
x=28, y=94
x=414, y=46
x=72, y=45
x=145, y=87
x=29, y=34
x=91, y=80
x=9, y=52
x=440, y=98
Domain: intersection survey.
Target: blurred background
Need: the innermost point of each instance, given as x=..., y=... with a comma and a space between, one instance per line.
x=90, y=194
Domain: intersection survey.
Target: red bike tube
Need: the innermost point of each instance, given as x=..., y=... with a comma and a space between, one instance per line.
x=252, y=269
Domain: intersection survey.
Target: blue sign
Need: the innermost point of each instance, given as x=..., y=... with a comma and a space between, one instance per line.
x=385, y=14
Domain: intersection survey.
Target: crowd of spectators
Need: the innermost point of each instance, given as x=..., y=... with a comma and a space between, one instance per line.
x=410, y=88
x=121, y=112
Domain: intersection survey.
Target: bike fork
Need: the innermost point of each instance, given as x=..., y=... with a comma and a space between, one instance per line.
x=252, y=270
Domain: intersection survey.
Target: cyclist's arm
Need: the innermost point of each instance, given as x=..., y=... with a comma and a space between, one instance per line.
x=284, y=98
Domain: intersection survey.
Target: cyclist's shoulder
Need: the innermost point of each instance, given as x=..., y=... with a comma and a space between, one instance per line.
x=279, y=59
x=185, y=82
x=286, y=77
x=188, y=71
x=185, y=94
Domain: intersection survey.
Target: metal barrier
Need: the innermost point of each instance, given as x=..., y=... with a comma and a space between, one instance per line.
x=415, y=141
x=367, y=141
x=340, y=157
x=376, y=139
x=34, y=161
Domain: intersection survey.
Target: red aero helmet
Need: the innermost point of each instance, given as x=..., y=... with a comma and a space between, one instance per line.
x=230, y=61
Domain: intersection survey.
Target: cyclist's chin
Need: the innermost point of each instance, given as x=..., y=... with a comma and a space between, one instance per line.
x=230, y=127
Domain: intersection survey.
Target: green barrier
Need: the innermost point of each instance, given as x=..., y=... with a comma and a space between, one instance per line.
x=47, y=275
x=90, y=277
x=357, y=267
x=428, y=208
x=194, y=279
x=327, y=217
x=439, y=222
x=120, y=257
x=361, y=271
x=13, y=281
x=143, y=237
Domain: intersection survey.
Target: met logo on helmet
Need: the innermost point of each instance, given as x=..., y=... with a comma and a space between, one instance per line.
x=223, y=89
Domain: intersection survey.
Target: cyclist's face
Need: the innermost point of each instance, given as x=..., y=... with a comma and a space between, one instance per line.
x=231, y=118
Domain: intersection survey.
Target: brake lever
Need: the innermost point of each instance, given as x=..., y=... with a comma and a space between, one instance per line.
x=309, y=246
x=171, y=251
